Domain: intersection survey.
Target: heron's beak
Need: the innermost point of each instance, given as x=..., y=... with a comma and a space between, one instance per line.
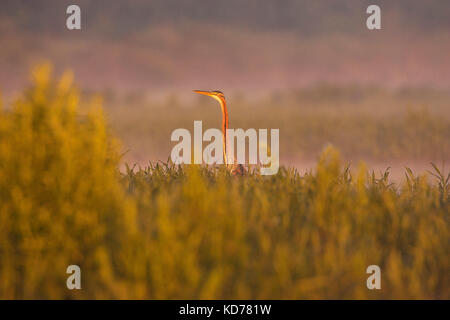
x=206, y=93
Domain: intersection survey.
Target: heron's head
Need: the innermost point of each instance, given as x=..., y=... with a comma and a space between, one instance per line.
x=218, y=95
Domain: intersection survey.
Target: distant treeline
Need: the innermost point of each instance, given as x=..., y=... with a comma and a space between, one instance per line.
x=309, y=17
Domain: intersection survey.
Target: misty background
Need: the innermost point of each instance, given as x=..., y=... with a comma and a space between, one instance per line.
x=261, y=45
x=311, y=68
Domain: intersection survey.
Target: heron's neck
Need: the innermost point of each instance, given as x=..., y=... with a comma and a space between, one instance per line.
x=223, y=106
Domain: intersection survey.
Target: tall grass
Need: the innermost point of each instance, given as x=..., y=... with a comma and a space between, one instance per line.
x=166, y=231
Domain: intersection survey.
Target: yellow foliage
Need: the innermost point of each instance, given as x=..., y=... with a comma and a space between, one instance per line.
x=61, y=202
x=171, y=232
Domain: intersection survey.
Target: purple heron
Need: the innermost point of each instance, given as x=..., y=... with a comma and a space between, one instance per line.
x=237, y=169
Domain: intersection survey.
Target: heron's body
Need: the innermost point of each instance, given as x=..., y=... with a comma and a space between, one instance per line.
x=236, y=169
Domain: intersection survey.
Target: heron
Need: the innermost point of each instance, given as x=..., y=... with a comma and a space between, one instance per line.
x=236, y=169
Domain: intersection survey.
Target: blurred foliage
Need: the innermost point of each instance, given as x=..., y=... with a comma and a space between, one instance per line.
x=166, y=231
x=61, y=202
x=291, y=236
